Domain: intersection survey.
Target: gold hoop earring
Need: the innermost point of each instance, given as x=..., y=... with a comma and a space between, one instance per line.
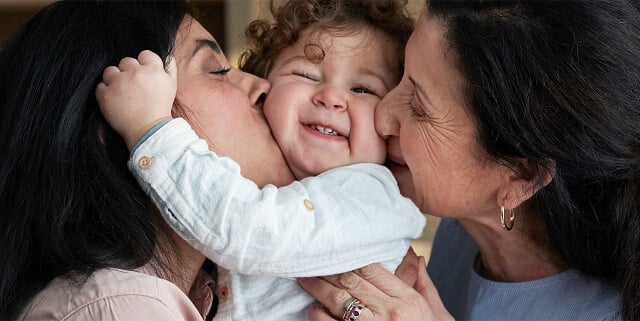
x=512, y=217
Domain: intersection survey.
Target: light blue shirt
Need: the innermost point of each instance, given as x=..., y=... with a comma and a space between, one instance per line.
x=569, y=295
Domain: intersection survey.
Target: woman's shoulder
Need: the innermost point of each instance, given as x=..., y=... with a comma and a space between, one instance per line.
x=110, y=294
x=564, y=296
x=589, y=297
x=452, y=247
x=567, y=295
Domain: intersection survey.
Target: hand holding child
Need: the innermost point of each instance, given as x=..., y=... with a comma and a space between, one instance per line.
x=137, y=94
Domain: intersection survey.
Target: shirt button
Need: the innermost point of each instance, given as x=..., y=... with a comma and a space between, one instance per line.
x=144, y=162
x=223, y=292
x=308, y=205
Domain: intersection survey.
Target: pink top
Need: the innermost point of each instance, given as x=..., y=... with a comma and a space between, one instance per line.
x=113, y=294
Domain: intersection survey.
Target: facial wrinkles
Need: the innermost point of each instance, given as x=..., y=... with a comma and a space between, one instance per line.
x=437, y=128
x=443, y=130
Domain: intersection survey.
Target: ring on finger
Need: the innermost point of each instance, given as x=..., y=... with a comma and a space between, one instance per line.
x=352, y=309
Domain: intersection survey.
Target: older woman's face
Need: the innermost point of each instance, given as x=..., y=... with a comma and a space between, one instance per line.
x=222, y=105
x=431, y=137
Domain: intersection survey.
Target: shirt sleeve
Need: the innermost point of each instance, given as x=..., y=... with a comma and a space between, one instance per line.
x=149, y=134
x=338, y=221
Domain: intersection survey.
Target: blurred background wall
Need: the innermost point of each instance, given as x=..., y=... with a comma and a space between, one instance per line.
x=226, y=19
x=14, y=13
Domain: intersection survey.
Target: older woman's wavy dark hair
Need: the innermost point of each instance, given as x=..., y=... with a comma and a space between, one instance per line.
x=68, y=203
x=558, y=83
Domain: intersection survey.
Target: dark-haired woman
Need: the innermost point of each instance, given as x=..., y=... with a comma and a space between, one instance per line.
x=519, y=122
x=79, y=238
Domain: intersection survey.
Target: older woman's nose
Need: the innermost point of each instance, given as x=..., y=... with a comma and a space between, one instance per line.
x=386, y=119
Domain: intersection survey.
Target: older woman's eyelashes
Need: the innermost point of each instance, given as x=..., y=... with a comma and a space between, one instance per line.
x=416, y=111
x=221, y=72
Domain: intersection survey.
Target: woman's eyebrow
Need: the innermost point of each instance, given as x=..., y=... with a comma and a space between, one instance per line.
x=206, y=43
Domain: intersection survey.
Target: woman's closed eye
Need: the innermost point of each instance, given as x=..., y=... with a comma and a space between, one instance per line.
x=223, y=71
x=416, y=111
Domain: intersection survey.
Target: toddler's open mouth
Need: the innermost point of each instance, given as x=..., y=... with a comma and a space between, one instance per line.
x=325, y=130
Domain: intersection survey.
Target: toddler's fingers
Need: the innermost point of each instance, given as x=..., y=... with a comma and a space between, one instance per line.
x=109, y=74
x=148, y=57
x=128, y=63
x=100, y=92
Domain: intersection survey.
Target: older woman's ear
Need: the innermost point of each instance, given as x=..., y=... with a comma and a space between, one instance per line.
x=524, y=181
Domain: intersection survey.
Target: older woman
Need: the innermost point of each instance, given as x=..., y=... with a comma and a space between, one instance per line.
x=79, y=238
x=519, y=122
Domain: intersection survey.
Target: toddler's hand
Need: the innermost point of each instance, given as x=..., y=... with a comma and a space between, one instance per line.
x=137, y=94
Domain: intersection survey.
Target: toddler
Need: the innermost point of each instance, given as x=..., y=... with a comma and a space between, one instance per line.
x=329, y=63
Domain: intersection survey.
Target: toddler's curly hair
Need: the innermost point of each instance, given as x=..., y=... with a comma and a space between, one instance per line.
x=267, y=39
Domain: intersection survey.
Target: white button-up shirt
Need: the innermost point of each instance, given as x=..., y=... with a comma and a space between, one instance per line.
x=339, y=221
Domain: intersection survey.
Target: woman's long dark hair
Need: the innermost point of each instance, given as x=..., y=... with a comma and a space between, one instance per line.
x=558, y=83
x=68, y=204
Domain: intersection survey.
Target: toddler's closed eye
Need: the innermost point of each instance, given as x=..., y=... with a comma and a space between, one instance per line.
x=306, y=75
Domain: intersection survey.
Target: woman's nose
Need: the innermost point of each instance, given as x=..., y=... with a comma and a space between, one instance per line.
x=386, y=119
x=330, y=97
x=256, y=88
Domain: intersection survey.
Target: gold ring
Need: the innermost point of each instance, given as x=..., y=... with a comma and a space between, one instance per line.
x=352, y=309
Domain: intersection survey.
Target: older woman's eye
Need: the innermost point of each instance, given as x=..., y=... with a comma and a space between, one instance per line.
x=416, y=111
x=221, y=71
x=412, y=109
